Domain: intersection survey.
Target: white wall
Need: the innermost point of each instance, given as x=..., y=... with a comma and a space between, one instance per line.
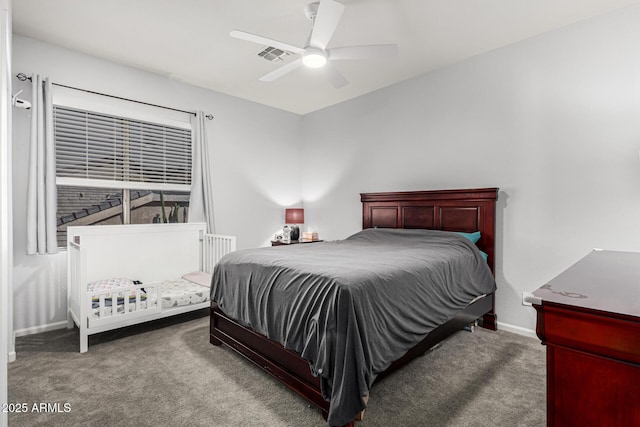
x=554, y=121
x=248, y=142
x=5, y=202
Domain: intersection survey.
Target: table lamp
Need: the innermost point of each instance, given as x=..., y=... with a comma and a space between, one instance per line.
x=293, y=217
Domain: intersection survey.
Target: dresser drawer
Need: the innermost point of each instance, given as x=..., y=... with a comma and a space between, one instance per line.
x=591, y=391
x=593, y=332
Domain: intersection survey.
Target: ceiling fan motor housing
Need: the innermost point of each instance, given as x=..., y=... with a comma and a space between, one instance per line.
x=314, y=57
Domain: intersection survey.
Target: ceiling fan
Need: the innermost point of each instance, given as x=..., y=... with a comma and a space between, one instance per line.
x=324, y=16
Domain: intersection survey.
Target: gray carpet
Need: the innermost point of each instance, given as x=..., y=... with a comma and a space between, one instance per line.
x=167, y=374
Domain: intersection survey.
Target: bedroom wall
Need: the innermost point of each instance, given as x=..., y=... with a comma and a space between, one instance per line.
x=554, y=121
x=248, y=141
x=6, y=345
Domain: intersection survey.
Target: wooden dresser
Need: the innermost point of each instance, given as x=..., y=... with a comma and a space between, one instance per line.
x=589, y=319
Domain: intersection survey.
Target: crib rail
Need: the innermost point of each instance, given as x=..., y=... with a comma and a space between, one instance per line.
x=215, y=247
x=130, y=302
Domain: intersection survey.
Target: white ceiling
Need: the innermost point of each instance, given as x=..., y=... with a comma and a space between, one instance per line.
x=189, y=40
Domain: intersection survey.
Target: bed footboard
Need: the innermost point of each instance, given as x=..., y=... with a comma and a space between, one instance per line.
x=270, y=356
x=294, y=372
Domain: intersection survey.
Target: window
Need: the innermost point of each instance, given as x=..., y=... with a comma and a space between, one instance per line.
x=119, y=170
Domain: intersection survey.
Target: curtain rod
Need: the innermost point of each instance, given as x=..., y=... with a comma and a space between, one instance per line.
x=22, y=77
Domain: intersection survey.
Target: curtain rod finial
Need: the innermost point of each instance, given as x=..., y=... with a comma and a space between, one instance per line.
x=22, y=77
x=209, y=116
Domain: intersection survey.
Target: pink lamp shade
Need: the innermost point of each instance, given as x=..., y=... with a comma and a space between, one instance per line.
x=294, y=216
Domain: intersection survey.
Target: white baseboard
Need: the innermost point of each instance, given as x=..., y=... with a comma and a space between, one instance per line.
x=37, y=329
x=517, y=330
x=63, y=324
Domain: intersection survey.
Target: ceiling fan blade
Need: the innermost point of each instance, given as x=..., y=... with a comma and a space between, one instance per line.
x=334, y=76
x=279, y=72
x=364, y=52
x=325, y=23
x=265, y=41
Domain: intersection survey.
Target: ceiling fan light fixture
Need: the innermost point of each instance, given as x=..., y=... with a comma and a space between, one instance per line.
x=314, y=58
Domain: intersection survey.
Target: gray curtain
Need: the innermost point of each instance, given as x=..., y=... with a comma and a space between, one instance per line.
x=41, y=185
x=201, y=200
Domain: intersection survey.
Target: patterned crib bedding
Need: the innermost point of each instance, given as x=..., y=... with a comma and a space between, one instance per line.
x=173, y=293
x=179, y=292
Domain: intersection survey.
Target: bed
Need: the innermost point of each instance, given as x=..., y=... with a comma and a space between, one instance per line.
x=121, y=275
x=335, y=368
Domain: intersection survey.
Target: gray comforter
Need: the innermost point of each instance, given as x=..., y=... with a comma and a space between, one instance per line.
x=351, y=307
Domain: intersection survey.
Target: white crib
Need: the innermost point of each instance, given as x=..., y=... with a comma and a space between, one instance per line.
x=149, y=253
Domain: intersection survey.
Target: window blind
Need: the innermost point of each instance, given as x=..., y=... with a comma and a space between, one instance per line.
x=96, y=146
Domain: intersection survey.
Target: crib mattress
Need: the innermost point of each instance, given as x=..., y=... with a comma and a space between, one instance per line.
x=173, y=293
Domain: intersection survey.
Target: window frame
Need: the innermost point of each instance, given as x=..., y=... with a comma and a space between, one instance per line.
x=129, y=110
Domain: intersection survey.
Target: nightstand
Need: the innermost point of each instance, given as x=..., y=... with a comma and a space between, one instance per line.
x=293, y=242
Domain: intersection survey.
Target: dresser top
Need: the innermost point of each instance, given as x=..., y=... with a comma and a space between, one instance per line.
x=602, y=280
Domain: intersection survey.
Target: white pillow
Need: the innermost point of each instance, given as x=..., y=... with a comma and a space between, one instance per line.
x=199, y=278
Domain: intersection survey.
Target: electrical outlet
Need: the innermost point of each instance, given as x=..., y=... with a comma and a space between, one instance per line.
x=528, y=299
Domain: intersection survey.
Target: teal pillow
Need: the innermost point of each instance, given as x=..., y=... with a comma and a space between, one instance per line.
x=473, y=237
x=485, y=257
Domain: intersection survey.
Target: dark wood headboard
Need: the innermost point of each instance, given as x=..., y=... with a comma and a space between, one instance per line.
x=465, y=210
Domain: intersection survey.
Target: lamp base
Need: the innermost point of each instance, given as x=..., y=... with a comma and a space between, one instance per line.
x=295, y=232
